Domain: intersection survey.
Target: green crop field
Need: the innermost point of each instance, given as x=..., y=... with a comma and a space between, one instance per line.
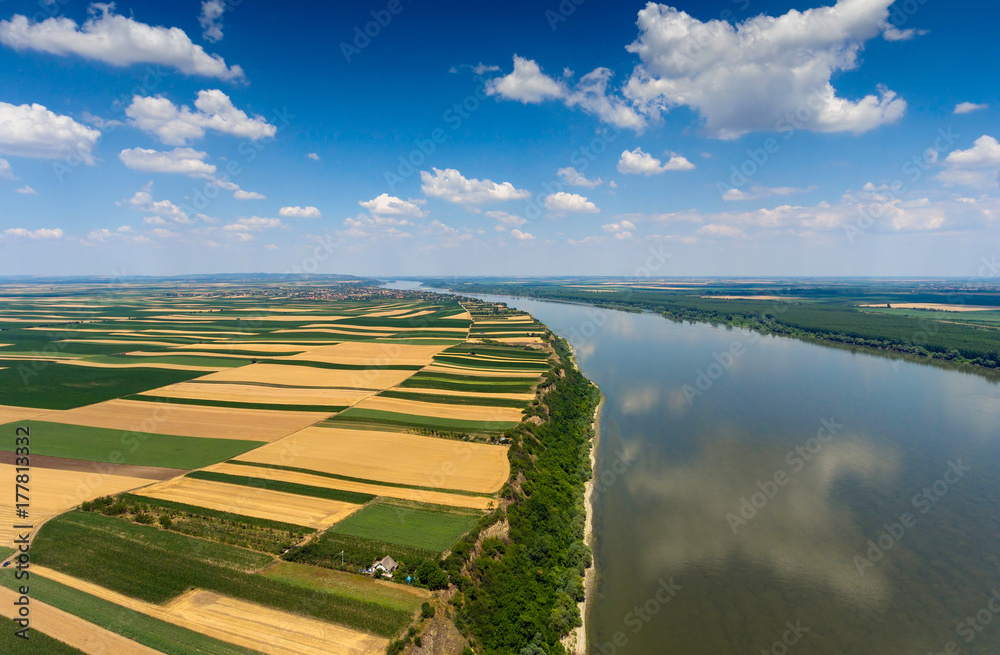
x=329, y=409
x=429, y=529
x=286, y=487
x=50, y=385
x=442, y=399
x=448, y=382
x=346, y=584
x=174, y=360
x=158, y=635
x=379, y=417
x=483, y=362
x=37, y=643
x=349, y=553
x=127, y=447
x=156, y=565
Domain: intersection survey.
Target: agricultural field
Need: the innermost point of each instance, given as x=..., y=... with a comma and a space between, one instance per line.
x=216, y=466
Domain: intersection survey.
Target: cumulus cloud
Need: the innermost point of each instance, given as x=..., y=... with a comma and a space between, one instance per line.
x=450, y=185
x=715, y=230
x=505, y=220
x=758, y=192
x=214, y=111
x=26, y=191
x=210, y=19
x=123, y=233
x=621, y=229
x=637, y=162
x=116, y=40
x=386, y=205
x=253, y=224
x=969, y=107
x=573, y=177
x=362, y=226
x=186, y=161
x=566, y=203
x=873, y=208
x=300, y=212
x=40, y=233
x=162, y=209
x=34, y=131
x=977, y=167
x=240, y=194
x=758, y=74
x=528, y=84
x=522, y=236
x=6, y=172
x=313, y=156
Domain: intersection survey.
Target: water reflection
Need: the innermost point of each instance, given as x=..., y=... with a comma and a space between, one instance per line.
x=768, y=507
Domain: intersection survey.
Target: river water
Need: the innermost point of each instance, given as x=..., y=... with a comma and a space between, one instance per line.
x=766, y=495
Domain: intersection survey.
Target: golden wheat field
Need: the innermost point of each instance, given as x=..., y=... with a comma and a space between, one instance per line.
x=189, y=420
x=418, y=495
x=409, y=458
x=312, y=512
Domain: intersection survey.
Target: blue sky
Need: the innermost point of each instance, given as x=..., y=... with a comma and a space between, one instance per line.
x=723, y=138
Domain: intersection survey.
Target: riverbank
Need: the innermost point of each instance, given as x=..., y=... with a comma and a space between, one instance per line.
x=576, y=641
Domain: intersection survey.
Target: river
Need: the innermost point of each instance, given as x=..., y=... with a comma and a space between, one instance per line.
x=766, y=495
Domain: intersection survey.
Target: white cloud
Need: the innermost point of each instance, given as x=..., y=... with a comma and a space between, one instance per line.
x=300, y=212
x=758, y=192
x=6, y=172
x=210, y=19
x=386, y=205
x=876, y=209
x=565, y=203
x=621, y=230
x=758, y=73
x=99, y=122
x=483, y=68
x=34, y=131
x=506, y=220
x=976, y=167
x=452, y=186
x=715, y=230
x=313, y=156
x=585, y=241
x=363, y=226
x=175, y=125
x=270, y=246
x=253, y=224
x=522, y=236
x=115, y=40
x=240, y=194
x=893, y=33
x=40, y=233
x=573, y=177
x=186, y=161
x=26, y=190
x=528, y=84
x=124, y=232
x=969, y=107
x=163, y=209
x=637, y=162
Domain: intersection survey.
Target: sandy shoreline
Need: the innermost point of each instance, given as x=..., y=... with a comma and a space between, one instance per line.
x=576, y=641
